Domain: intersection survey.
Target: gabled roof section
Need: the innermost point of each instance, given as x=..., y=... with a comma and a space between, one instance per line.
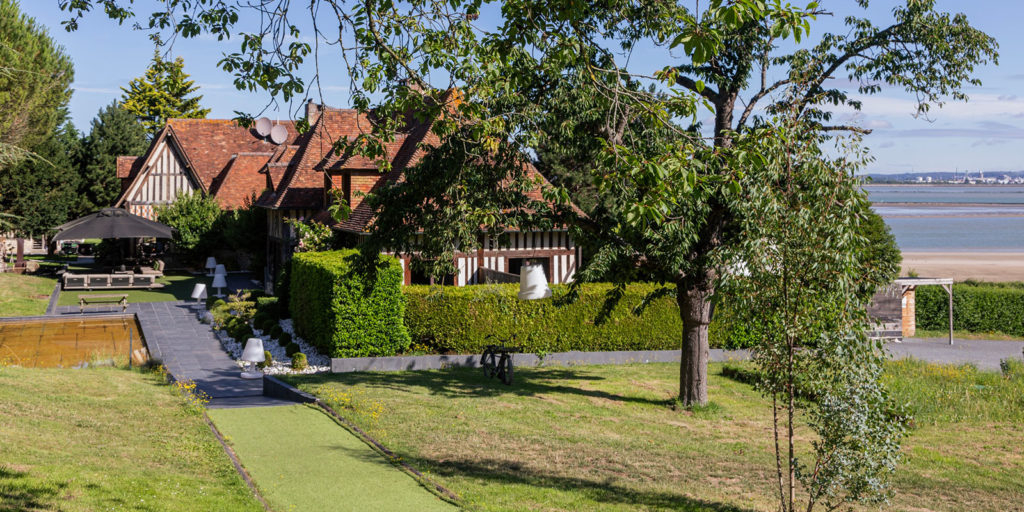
x=127, y=166
x=209, y=145
x=209, y=148
x=302, y=185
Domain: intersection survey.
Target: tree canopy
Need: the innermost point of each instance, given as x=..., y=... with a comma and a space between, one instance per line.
x=115, y=132
x=35, y=75
x=38, y=146
x=162, y=93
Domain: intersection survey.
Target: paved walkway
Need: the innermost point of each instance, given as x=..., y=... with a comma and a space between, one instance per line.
x=985, y=354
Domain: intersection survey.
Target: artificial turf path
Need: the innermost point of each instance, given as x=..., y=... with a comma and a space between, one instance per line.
x=301, y=459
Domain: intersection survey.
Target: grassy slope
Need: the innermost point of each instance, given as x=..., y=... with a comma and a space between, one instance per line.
x=603, y=438
x=108, y=439
x=176, y=287
x=22, y=295
x=301, y=459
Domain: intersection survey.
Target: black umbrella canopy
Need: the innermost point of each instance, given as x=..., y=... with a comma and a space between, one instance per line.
x=112, y=223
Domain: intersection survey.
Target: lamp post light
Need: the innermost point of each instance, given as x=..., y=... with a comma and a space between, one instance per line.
x=219, y=281
x=199, y=292
x=252, y=354
x=211, y=263
x=533, y=284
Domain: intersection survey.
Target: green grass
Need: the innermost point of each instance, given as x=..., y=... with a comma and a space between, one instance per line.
x=302, y=459
x=22, y=295
x=176, y=287
x=606, y=437
x=108, y=439
x=966, y=335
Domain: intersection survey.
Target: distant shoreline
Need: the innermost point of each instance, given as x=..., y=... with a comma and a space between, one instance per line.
x=978, y=265
x=941, y=204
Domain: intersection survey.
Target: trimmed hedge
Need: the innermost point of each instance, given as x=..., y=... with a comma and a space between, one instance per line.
x=459, y=320
x=977, y=307
x=345, y=309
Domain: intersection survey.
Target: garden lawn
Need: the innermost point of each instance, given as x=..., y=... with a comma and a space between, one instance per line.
x=176, y=287
x=302, y=459
x=108, y=439
x=606, y=437
x=22, y=295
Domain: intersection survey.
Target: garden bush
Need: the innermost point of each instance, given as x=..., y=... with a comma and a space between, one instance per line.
x=284, y=339
x=299, y=361
x=269, y=306
x=291, y=348
x=276, y=331
x=349, y=307
x=268, y=325
x=268, y=360
x=977, y=307
x=459, y=320
x=259, y=319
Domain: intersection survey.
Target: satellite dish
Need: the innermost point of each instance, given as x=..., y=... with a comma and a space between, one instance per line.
x=278, y=134
x=263, y=126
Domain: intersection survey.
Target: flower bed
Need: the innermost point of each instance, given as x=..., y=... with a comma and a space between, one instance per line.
x=282, y=364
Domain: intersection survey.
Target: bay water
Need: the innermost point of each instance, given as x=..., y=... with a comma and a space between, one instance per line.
x=952, y=218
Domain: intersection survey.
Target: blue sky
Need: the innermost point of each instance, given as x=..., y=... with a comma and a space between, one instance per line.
x=986, y=133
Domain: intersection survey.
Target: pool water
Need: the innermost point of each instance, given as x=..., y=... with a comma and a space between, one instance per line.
x=71, y=342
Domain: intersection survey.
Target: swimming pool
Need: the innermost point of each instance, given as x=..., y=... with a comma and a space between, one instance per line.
x=71, y=342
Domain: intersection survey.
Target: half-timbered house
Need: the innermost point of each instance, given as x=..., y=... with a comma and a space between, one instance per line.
x=216, y=157
x=299, y=189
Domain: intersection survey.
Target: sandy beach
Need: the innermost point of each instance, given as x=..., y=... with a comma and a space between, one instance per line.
x=981, y=266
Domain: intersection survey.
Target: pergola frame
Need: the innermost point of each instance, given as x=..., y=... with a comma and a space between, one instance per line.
x=907, y=283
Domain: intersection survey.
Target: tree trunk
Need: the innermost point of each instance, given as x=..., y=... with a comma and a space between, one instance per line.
x=19, y=259
x=694, y=298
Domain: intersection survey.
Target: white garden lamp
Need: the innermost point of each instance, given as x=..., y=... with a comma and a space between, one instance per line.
x=219, y=281
x=252, y=354
x=211, y=263
x=220, y=270
x=533, y=284
x=199, y=292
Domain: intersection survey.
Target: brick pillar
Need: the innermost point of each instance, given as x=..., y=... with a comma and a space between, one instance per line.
x=909, y=313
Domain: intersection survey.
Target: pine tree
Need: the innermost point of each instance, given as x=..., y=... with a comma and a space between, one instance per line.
x=162, y=94
x=41, y=192
x=115, y=132
x=35, y=75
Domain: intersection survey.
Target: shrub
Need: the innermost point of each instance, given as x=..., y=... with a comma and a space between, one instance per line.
x=268, y=306
x=299, y=361
x=215, y=303
x=291, y=348
x=258, y=319
x=349, y=307
x=284, y=339
x=193, y=217
x=276, y=331
x=241, y=332
x=268, y=360
x=268, y=325
x=459, y=320
x=977, y=307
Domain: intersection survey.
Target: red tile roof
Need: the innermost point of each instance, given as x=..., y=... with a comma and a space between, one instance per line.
x=209, y=146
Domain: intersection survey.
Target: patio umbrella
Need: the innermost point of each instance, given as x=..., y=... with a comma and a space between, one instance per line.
x=112, y=223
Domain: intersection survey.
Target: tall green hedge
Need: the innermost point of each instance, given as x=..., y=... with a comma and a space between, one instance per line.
x=977, y=307
x=459, y=320
x=346, y=309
